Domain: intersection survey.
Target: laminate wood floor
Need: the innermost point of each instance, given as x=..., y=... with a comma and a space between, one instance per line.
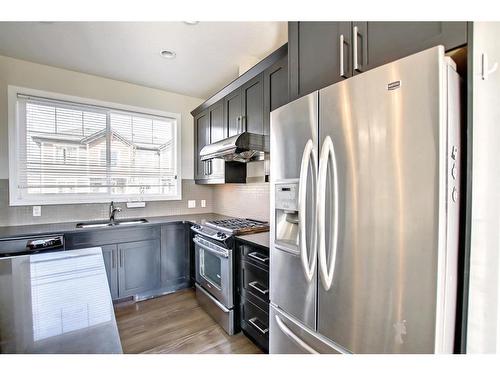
x=175, y=324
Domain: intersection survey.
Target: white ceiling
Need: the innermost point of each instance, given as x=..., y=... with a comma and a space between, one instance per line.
x=208, y=53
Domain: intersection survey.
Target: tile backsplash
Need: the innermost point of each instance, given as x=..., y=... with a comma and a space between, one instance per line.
x=239, y=200
x=23, y=215
x=243, y=200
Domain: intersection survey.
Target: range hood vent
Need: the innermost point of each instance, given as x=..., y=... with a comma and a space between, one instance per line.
x=242, y=147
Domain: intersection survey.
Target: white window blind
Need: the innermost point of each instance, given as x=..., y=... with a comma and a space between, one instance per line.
x=69, y=152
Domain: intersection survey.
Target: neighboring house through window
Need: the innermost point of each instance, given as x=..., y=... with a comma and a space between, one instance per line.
x=72, y=150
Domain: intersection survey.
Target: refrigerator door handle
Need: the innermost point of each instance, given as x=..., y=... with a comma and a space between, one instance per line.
x=309, y=265
x=288, y=332
x=327, y=271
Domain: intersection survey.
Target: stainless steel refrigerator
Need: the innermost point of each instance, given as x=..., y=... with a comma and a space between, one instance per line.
x=364, y=212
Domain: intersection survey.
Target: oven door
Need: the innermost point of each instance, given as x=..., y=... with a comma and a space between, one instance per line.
x=214, y=270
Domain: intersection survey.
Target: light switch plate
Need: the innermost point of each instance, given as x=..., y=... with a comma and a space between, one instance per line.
x=37, y=210
x=203, y=203
x=191, y=203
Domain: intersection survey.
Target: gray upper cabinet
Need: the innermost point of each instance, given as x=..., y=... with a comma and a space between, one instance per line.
x=139, y=267
x=110, y=256
x=244, y=108
x=218, y=131
x=244, y=105
x=253, y=105
x=232, y=112
x=202, y=138
x=315, y=52
x=378, y=43
x=323, y=53
x=275, y=89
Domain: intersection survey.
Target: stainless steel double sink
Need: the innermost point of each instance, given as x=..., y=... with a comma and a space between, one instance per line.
x=108, y=223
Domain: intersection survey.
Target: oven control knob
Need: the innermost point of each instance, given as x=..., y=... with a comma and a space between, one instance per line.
x=221, y=235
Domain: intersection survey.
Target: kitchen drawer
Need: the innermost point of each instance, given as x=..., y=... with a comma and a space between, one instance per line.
x=111, y=236
x=255, y=280
x=259, y=302
x=254, y=255
x=255, y=323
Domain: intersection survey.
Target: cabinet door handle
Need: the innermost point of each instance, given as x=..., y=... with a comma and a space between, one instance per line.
x=355, y=63
x=239, y=125
x=258, y=256
x=113, y=259
x=254, y=321
x=243, y=124
x=341, y=54
x=121, y=258
x=255, y=285
x=210, y=168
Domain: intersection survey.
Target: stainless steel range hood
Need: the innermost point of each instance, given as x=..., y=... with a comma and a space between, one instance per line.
x=242, y=147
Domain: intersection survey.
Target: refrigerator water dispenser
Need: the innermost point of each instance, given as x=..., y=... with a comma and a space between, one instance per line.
x=287, y=216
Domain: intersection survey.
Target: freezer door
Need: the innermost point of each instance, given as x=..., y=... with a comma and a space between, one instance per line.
x=289, y=336
x=294, y=140
x=386, y=130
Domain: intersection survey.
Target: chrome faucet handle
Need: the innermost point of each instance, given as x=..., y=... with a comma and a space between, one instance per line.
x=113, y=210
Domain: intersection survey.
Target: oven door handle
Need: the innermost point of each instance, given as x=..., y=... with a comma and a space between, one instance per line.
x=220, y=253
x=213, y=299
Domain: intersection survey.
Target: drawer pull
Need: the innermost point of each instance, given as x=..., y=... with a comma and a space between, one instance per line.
x=257, y=325
x=258, y=256
x=255, y=285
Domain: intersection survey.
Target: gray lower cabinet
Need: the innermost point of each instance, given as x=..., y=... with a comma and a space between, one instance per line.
x=175, y=256
x=110, y=256
x=149, y=260
x=253, y=290
x=139, y=267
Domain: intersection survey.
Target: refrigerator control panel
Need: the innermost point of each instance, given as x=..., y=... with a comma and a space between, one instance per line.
x=286, y=195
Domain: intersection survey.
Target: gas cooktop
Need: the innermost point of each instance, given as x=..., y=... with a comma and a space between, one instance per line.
x=239, y=226
x=223, y=230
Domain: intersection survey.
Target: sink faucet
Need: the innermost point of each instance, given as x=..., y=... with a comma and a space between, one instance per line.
x=112, y=211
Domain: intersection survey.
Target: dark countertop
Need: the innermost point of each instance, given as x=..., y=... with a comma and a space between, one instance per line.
x=62, y=228
x=261, y=239
x=57, y=303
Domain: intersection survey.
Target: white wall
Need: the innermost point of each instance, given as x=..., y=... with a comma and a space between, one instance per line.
x=483, y=323
x=42, y=77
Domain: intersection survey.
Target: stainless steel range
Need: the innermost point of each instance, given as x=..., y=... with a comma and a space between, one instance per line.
x=214, y=264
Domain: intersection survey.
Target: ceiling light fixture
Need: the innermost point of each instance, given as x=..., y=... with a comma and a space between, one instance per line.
x=168, y=54
x=191, y=22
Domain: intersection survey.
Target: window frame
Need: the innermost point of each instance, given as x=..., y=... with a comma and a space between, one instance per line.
x=17, y=199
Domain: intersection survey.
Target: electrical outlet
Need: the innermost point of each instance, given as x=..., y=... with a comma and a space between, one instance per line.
x=203, y=203
x=37, y=210
x=191, y=203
